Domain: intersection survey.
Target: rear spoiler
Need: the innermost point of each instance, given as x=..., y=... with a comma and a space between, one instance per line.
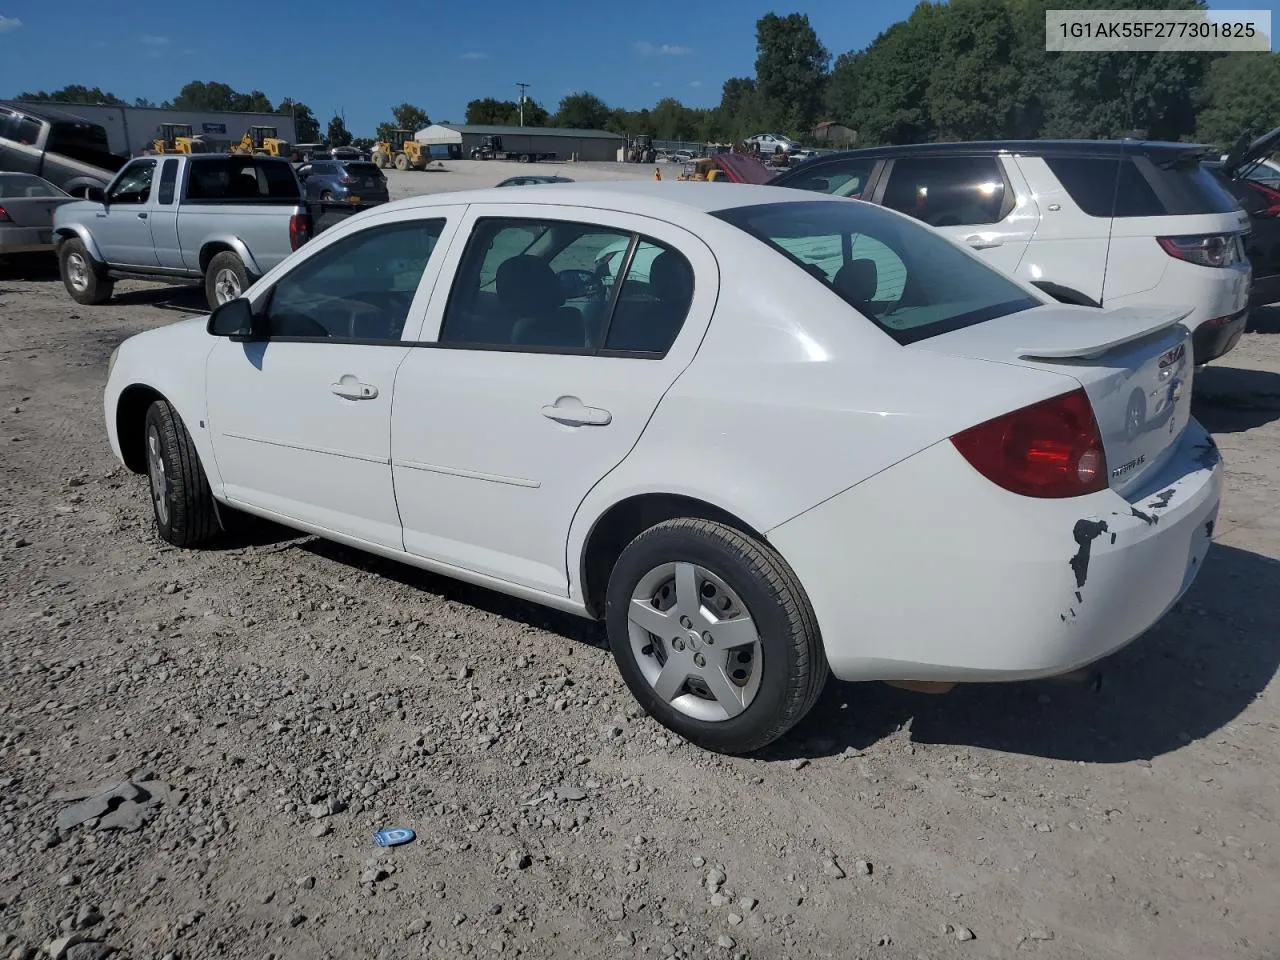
x=1098, y=331
x=1192, y=154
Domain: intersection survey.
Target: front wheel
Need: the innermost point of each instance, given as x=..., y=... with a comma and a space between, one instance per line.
x=180, y=497
x=714, y=635
x=226, y=279
x=79, y=275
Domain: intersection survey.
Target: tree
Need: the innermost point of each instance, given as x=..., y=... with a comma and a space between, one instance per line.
x=411, y=118
x=75, y=93
x=1241, y=97
x=973, y=86
x=582, y=111
x=672, y=120
x=339, y=135
x=492, y=112
x=211, y=95
x=738, y=115
x=791, y=71
x=306, y=126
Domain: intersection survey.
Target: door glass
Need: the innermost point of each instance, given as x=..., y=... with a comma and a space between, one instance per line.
x=134, y=185
x=168, y=178
x=946, y=191
x=531, y=284
x=653, y=302
x=360, y=287
x=846, y=178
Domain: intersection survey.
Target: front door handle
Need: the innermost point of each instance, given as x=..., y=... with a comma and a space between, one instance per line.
x=142, y=216
x=571, y=412
x=349, y=387
x=979, y=242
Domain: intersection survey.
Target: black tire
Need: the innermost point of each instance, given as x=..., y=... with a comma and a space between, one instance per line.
x=794, y=668
x=181, y=500
x=326, y=196
x=80, y=274
x=224, y=261
x=524, y=158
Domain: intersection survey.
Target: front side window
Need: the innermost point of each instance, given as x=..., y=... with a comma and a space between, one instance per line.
x=842, y=178
x=360, y=287
x=910, y=282
x=134, y=184
x=947, y=191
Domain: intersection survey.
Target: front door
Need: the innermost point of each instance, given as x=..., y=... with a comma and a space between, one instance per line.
x=301, y=421
x=972, y=200
x=544, y=374
x=122, y=228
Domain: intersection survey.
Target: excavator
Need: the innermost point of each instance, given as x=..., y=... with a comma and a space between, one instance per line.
x=176, y=138
x=262, y=140
x=401, y=151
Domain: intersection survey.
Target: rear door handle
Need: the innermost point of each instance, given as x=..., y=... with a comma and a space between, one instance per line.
x=349, y=387
x=980, y=243
x=572, y=413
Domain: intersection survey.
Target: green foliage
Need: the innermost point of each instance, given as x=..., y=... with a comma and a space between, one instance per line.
x=582, y=111
x=211, y=95
x=75, y=93
x=411, y=118
x=791, y=71
x=1241, y=97
x=305, y=123
x=491, y=112
x=339, y=135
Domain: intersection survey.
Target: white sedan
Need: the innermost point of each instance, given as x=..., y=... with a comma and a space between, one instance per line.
x=815, y=437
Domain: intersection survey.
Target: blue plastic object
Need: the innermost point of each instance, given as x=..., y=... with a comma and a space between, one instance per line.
x=393, y=837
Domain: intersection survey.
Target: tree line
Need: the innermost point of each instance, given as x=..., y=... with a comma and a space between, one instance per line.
x=960, y=70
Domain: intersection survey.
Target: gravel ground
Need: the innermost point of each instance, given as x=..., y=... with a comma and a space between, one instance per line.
x=196, y=748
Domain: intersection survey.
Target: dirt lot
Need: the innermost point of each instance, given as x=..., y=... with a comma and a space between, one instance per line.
x=268, y=706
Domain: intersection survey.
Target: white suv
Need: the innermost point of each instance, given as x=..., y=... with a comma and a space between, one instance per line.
x=1098, y=223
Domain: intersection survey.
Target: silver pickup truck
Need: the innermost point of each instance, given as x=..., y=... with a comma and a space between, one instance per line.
x=224, y=219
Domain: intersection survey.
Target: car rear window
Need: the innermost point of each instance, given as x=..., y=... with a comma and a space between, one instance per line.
x=1141, y=186
x=363, y=170
x=241, y=180
x=15, y=185
x=910, y=282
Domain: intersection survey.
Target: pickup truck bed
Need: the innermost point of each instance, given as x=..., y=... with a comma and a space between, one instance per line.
x=222, y=219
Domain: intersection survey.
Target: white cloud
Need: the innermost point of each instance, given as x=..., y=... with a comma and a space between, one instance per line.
x=474, y=56
x=695, y=83
x=153, y=41
x=9, y=23
x=661, y=50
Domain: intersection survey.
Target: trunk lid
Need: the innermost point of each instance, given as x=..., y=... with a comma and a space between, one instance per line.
x=33, y=211
x=1245, y=152
x=1133, y=362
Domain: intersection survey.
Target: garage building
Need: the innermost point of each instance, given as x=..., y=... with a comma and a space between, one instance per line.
x=130, y=130
x=458, y=140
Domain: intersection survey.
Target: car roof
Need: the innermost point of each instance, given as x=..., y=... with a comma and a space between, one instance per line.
x=1091, y=148
x=645, y=197
x=41, y=112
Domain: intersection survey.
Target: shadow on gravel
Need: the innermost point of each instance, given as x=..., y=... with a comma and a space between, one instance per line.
x=183, y=298
x=445, y=588
x=1264, y=320
x=1235, y=399
x=1187, y=678
x=29, y=267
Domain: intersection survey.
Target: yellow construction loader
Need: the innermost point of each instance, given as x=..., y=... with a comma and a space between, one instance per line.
x=262, y=140
x=176, y=138
x=401, y=151
x=704, y=168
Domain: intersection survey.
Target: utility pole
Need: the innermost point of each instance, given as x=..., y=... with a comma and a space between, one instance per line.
x=522, y=87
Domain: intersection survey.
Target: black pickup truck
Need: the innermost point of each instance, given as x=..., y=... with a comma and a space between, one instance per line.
x=68, y=151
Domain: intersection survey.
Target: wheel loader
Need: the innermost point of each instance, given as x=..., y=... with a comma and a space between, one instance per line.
x=401, y=151
x=642, y=150
x=176, y=138
x=262, y=140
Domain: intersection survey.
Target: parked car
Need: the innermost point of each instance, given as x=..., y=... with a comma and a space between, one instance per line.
x=225, y=220
x=1255, y=184
x=527, y=181
x=761, y=465
x=348, y=153
x=69, y=151
x=344, y=181
x=27, y=203
x=773, y=143
x=1098, y=223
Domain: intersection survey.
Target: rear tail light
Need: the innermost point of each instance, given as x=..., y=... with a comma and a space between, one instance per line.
x=1050, y=449
x=299, y=230
x=1271, y=196
x=1207, y=250
x=349, y=179
x=4, y=216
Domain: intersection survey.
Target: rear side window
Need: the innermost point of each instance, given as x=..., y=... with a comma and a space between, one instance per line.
x=363, y=170
x=241, y=180
x=1089, y=181
x=1183, y=188
x=168, y=177
x=843, y=178
x=910, y=282
x=947, y=191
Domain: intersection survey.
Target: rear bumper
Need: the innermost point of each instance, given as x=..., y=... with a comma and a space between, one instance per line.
x=1266, y=290
x=928, y=571
x=1217, y=337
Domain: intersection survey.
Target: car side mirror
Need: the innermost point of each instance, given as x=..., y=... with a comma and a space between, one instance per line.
x=95, y=194
x=235, y=320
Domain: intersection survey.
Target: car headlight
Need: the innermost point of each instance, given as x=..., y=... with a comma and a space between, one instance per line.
x=111, y=360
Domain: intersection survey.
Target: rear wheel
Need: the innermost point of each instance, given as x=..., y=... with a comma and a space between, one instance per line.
x=402, y=162
x=80, y=276
x=180, y=497
x=226, y=279
x=714, y=635
x=524, y=158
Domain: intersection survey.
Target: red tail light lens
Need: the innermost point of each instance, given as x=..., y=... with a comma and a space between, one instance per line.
x=349, y=179
x=1207, y=250
x=1272, y=197
x=299, y=230
x=4, y=215
x=1049, y=449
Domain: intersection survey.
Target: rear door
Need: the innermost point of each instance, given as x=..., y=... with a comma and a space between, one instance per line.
x=536, y=383
x=971, y=200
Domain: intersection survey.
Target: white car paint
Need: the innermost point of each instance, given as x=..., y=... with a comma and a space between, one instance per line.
x=778, y=403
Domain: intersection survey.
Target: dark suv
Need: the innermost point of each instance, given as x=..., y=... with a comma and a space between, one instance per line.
x=1254, y=186
x=344, y=181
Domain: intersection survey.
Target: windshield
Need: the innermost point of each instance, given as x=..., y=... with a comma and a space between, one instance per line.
x=15, y=185
x=910, y=282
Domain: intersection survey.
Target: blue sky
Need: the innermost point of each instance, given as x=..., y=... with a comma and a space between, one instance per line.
x=363, y=57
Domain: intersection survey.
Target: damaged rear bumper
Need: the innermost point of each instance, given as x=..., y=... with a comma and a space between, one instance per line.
x=928, y=571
